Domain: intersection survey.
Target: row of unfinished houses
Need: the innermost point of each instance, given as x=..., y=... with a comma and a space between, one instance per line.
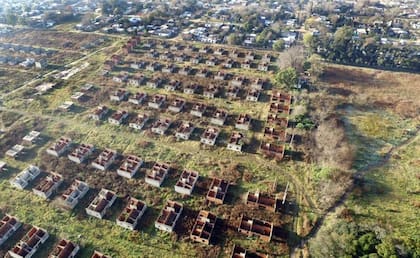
x=31, y=242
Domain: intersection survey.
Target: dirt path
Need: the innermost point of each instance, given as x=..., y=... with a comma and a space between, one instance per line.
x=357, y=176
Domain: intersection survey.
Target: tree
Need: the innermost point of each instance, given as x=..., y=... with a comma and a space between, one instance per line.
x=11, y=18
x=234, y=39
x=287, y=77
x=292, y=57
x=317, y=67
x=278, y=45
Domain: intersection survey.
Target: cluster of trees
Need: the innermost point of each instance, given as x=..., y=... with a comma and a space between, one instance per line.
x=343, y=47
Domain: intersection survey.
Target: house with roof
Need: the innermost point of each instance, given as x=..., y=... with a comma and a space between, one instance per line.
x=157, y=101
x=105, y=159
x=48, y=185
x=102, y=202
x=138, y=98
x=169, y=216
x=139, y=121
x=27, y=175
x=157, y=174
x=261, y=200
x=131, y=214
x=272, y=150
x=8, y=226
x=177, y=105
x=99, y=113
x=119, y=95
x=130, y=166
x=30, y=243
x=209, y=136
x=202, y=230
x=161, y=126
x=15, y=151
x=31, y=138
x=64, y=249
x=76, y=191
x=218, y=190
x=186, y=182
x=256, y=227
x=219, y=117
x=81, y=153
x=118, y=118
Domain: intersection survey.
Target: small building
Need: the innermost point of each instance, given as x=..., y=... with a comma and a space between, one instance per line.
x=275, y=133
x=118, y=117
x=8, y=226
x=157, y=174
x=161, y=126
x=30, y=243
x=282, y=98
x=236, y=141
x=258, y=84
x=119, y=95
x=219, y=117
x=31, y=137
x=218, y=190
x=277, y=121
x=157, y=101
x=243, y=122
x=102, y=202
x=198, y=109
x=139, y=121
x=278, y=108
x=253, y=95
x=232, y=92
x=48, y=185
x=210, y=135
x=138, y=98
x=78, y=96
x=184, y=130
x=15, y=151
x=104, y=160
x=256, y=227
x=173, y=85
x=239, y=252
x=260, y=201
x=27, y=175
x=191, y=88
x=168, y=216
x=64, y=249
x=131, y=214
x=77, y=190
x=186, y=182
x=272, y=150
x=202, y=230
x=59, y=147
x=81, y=153
x=99, y=113
x=177, y=105
x=97, y=254
x=66, y=106
x=130, y=166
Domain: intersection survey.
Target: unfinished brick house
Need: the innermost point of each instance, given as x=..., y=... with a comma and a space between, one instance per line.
x=118, y=118
x=139, y=65
x=138, y=98
x=48, y=185
x=229, y=64
x=202, y=230
x=170, y=68
x=246, y=64
x=105, y=159
x=81, y=153
x=181, y=57
x=234, y=53
x=211, y=91
x=186, y=182
x=177, y=105
x=220, y=76
x=203, y=73
x=153, y=67
x=184, y=130
x=243, y=122
x=263, y=67
x=258, y=84
x=97, y=254
x=173, y=85
x=157, y=174
x=198, y=109
x=256, y=227
x=166, y=56
x=31, y=138
x=186, y=70
x=205, y=50
x=157, y=101
x=210, y=135
x=64, y=249
x=131, y=214
x=119, y=95
x=275, y=133
x=27, y=175
x=137, y=80
x=8, y=226
x=161, y=126
x=220, y=51
x=102, y=202
x=191, y=88
x=154, y=83
x=130, y=166
x=253, y=95
x=278, y=108
x=30, y=243
x=168, y=216
x=272, y=150
x=212, y=61
x=123, y=77
x=239, y=252
x=77, y=190
x=197, y=59
x=58, y=148
x=139, y=121
x=282, y=98
x=99, y=113
x=238, y=81
x=277, y=121
x=266, y=58
x=263, y=201
x=236, y=141
x=219, y=117
x=249, y=56
x=218, y=190
x=232, y=92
